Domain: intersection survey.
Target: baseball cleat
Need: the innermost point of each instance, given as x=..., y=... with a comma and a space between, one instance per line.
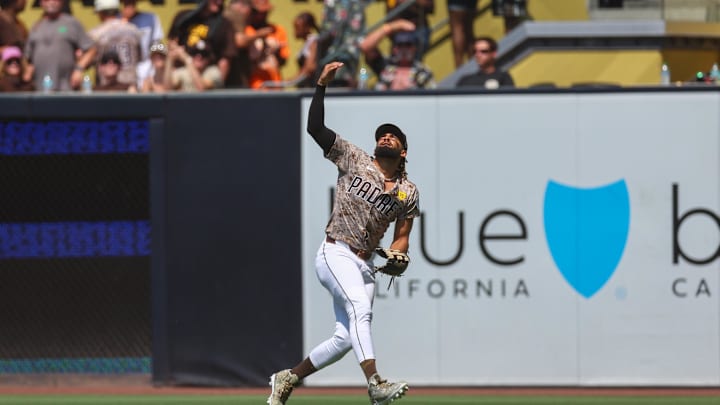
x=382, y=392
x=281, y=385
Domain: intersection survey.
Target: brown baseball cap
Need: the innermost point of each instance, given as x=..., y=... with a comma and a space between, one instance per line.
x=391, y=129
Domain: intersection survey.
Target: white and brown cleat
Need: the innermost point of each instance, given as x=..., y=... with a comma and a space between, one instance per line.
x=382, y=392
x=281, y=385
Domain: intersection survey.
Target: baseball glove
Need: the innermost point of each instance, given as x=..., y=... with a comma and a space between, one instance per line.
x=397, y=262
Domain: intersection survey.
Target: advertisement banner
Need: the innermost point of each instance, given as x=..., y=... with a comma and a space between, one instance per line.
x=565, y=239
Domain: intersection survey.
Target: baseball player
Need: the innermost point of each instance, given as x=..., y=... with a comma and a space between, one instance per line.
x=371, y=192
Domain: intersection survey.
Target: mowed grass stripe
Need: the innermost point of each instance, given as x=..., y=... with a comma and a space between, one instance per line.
x=348, y=400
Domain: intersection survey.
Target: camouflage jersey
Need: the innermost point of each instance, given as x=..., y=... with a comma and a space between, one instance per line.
x=362, y=210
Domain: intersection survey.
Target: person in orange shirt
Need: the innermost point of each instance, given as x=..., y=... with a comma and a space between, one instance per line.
x=267, y=45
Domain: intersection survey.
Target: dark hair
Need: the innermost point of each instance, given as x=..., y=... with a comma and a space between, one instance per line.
x=489, y=40
x=6, y=3
x=110, y=56
x=309, y=20
x=402, y=170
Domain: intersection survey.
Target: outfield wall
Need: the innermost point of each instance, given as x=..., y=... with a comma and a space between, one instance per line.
x=566, y=239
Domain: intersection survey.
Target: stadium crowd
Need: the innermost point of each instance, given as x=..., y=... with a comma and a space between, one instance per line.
x=217, y=45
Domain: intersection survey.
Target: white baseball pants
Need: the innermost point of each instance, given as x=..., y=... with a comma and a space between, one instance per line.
x=351, y=282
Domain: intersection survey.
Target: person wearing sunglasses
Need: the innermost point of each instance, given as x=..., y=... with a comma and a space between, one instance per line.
x=108, y=70
x=488, y=76
x=11, y=71
x=401, y=69
x=197, y=72
x=206, y=23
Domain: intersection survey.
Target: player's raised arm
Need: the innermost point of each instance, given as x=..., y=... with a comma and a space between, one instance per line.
x=324, y=136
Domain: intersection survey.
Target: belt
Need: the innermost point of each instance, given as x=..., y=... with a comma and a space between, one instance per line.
x=363, y=254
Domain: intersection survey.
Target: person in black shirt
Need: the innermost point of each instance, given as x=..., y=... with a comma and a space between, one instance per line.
x=488, y=75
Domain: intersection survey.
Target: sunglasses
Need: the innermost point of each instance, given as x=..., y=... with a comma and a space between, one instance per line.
x=13, y=61
x=483, y=50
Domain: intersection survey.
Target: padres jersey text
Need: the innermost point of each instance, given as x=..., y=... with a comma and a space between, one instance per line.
x=363, y=210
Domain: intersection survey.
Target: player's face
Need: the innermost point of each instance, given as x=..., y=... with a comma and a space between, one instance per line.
x=389, y=146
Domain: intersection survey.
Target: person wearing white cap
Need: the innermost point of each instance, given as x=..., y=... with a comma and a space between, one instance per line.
x=53, y=55
x=116, y=34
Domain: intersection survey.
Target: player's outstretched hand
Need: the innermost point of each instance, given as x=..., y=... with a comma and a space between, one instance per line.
x=328, y=73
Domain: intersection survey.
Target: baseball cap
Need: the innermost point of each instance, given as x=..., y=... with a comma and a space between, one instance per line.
x=391, y=129
x=101, y=5
x=11, y=52
x=405, y=37
x=158, y=47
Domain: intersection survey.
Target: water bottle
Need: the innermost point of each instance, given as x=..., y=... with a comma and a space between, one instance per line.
x=87, y=87
x=715, y=74
x=363, y=79
x=47, y=84
x=665, y=74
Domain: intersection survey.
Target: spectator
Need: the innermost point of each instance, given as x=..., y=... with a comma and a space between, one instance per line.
x=13, y=31
x=401, y=70
x=461, y=14
x=54, y=55
x=267, y=45
x=238, y=13
x=341, y=31
x=417, y=13
x=109, y=70
x=488, y=75
x=155, y=80
x=116, y=34
x=198, y=72
x=206, y=23
x=306, y=29
x=11, y=72
x=152, y=32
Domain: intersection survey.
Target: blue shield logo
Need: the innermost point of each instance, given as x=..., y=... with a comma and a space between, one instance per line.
x=586, y=230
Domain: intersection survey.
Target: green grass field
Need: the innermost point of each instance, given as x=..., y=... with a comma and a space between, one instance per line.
x=347, y=400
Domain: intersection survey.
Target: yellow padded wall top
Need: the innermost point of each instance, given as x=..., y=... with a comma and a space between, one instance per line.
x=558, y=10
x=564, y=68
